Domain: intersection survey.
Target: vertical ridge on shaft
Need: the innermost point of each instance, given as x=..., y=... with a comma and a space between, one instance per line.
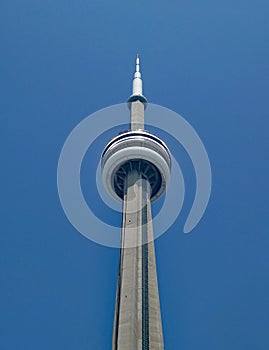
x=145, y=300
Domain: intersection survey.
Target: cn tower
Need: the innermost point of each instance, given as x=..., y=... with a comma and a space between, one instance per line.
x=136, y=170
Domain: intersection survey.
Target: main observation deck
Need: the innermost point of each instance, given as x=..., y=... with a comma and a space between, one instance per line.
x=136, y=150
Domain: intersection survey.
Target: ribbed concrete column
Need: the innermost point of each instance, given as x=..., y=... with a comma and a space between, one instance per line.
x=127, y=332
x=137, y=322
x=137, y=318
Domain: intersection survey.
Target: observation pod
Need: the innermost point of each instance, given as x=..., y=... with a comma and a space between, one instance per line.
x=136, y=150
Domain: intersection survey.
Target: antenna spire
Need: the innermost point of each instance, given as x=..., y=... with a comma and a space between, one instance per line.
x=137, y=93
x=137, y=68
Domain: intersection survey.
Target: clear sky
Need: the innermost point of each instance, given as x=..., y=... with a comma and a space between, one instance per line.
x=206, y=60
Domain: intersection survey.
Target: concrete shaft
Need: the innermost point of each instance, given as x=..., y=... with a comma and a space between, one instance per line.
x=137, y=319
x=137, y=116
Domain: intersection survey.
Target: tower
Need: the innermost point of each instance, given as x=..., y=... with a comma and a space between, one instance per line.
x=136, y=169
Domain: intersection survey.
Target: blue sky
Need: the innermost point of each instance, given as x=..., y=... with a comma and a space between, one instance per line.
x=206, y=60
